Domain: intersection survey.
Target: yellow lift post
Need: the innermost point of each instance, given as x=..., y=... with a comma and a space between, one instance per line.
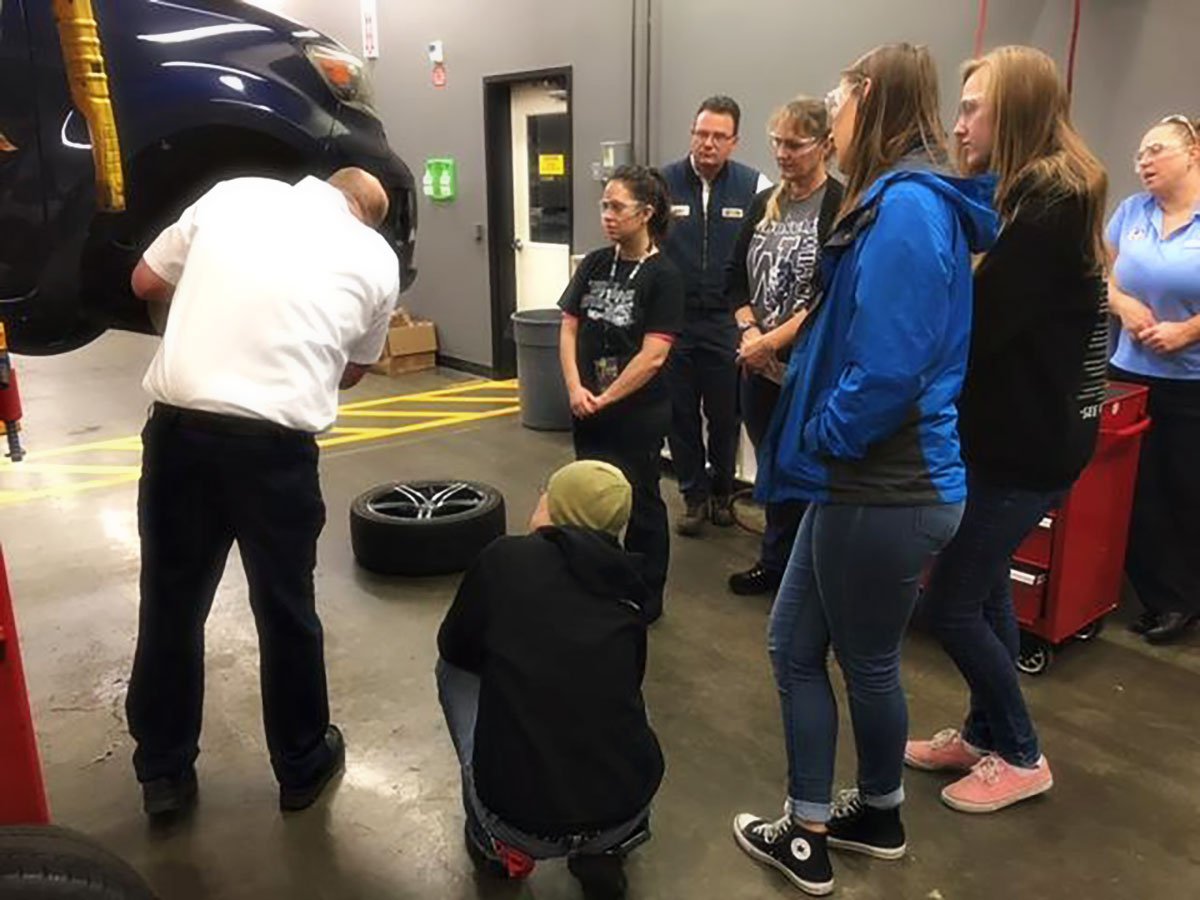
x=83, y=54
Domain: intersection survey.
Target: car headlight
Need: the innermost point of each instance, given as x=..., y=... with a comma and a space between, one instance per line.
x=345, y=74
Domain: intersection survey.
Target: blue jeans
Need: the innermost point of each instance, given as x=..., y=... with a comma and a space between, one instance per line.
x=969, y=607
x=458, y=693
x=851, y=582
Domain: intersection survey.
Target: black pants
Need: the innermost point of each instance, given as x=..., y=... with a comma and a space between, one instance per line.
x=632, y=440
x=759, y=396
x=208, y=480
x=1163, y=558
x=702, y=374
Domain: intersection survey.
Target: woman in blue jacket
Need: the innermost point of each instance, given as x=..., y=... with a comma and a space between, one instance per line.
x=866, y=432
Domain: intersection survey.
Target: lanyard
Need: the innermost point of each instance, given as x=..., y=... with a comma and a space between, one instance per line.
x=610, y=293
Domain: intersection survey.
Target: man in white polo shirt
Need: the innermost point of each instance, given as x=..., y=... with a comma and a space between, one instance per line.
x=279, y=294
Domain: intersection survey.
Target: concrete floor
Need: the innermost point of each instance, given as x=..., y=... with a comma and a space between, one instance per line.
x=1118, y=720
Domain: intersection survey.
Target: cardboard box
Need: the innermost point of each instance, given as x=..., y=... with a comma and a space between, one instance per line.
x=411, y=347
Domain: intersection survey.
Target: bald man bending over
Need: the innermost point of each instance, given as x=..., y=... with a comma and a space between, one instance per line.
x=279, y=294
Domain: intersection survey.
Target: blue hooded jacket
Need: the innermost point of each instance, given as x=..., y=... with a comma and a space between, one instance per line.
x=867, y=412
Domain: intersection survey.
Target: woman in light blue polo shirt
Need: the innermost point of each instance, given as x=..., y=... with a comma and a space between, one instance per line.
x=1154, y=240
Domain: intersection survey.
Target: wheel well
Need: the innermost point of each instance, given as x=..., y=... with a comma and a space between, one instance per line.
x=171, y=173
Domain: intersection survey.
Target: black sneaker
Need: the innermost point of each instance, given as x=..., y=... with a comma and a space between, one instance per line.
x=721, y=513
x=602, y=877
x=303, y=796
x=798, y=853
x=865, y=829
x=754, y=581
x=171, y=796
x=1143, y=623
x=694, y=517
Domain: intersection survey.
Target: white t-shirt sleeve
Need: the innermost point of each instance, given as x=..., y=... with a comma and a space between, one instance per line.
x=168, y=254
x=368, y=348
x=763, y=183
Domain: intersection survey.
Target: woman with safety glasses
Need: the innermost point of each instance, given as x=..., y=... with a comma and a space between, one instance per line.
x=621, y=314
x=866, y=433
x=772, y=279
x=1154, y=242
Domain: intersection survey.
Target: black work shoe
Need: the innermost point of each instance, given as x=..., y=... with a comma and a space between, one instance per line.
x=754, y=581
x=602, y=877
x=303, y=796
x=1171, y=626
x=721, y=513
x=693, y=519
x=1144, y=622
x=169, y=796
x=865, y=829
x=798, y=853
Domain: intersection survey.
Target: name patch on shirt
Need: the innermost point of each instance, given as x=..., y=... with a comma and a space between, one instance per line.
x=681, y=211
x=732, y=212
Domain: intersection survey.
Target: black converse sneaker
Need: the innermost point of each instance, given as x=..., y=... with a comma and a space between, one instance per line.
x=864, y=829
x=795, y=851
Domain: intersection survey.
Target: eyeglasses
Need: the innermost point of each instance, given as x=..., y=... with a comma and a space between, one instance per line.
x=1155, y=151
x=618, y=208
x=716, y=137
x=789, y=145
x=835, y=100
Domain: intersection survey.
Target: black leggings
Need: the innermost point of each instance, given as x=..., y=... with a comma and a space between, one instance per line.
x=632, y=440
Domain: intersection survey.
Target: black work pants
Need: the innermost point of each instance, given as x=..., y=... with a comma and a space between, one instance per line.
x=208, y=480
x=759, y=396
x=631, y=438
x=702, y=376
x=1163, y=556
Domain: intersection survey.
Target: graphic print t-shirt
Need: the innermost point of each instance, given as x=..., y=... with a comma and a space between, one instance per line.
x=616, y=312
x=781, y=262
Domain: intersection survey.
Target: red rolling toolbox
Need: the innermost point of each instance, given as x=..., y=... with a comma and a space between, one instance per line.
x=1067, y=573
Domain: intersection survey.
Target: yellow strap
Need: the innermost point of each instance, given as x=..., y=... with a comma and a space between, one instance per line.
x=83, y=54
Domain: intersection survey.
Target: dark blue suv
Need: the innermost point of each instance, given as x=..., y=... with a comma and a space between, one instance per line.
x=202, y=90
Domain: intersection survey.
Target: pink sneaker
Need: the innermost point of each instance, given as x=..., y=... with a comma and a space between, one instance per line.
x=994, y=784
x=947, y=751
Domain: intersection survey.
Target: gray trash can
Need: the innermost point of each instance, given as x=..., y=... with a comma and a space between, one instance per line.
x=544, y=402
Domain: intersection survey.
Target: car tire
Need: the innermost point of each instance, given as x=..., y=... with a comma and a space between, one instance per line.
x=49, y=863
x=425, y=527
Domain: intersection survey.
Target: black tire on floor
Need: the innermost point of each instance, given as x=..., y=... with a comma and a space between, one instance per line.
x=425, y=527
x=49, y=863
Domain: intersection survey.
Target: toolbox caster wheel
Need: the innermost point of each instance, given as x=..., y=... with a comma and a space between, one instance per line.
x=1090, y=632
x=1035, y=655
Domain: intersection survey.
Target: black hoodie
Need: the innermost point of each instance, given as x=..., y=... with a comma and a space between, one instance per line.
x=552, y=624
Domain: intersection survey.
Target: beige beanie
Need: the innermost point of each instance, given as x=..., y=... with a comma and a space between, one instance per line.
x=590, y=494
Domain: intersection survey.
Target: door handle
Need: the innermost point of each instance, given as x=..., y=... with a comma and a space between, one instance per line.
x=518, y=244
x=6, y=146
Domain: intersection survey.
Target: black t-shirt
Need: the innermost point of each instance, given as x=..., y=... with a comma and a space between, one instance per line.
x=616, y=310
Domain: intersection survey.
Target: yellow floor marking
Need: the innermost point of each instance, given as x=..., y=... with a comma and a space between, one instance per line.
x=461, y=410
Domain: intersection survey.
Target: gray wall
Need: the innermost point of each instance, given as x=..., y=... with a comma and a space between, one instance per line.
x=423, y=121
x=1135, y=64
x=771, y=50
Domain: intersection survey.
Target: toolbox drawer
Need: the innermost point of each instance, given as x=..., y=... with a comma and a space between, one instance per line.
x=1029, y=594
x=1035, y=549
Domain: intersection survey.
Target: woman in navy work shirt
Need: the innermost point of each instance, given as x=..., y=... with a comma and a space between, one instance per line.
x=1154, y=240
x=622, y=311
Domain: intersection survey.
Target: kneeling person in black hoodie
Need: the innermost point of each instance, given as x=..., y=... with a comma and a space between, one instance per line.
x=542, y=658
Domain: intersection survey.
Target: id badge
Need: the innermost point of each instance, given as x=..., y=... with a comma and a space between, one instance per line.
x=607, y=370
